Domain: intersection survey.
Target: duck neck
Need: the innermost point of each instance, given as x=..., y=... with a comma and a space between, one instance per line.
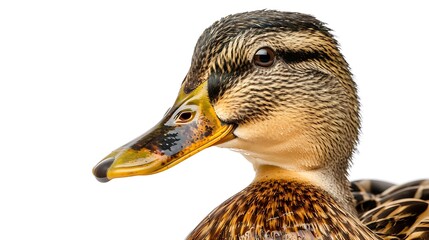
x=327, y=180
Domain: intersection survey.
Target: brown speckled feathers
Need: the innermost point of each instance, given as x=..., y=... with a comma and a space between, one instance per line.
x=290, y=210
x=279, y=209
x=394, y=212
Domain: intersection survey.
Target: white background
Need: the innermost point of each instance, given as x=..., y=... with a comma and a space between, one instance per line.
x=80, y=78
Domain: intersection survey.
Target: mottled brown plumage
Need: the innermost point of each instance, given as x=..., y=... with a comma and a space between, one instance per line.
x=394, y=212
x=280, y=209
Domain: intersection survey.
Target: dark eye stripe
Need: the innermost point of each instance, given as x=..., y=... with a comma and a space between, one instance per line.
x=302, y=55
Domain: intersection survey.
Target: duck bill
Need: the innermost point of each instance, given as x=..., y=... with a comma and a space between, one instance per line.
x=190, y=126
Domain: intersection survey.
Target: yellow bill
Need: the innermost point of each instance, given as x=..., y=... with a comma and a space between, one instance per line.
x=190, y=126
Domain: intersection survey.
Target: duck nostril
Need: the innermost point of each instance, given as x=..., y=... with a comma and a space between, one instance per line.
x=100, y=171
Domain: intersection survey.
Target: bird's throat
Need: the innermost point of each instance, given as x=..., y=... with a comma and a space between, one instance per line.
x=319, y=178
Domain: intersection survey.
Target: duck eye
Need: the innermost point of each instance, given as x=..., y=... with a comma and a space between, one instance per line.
x=185, y=116
x=264, y=57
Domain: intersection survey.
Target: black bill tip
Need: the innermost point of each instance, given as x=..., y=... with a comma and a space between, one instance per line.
x=100, y=171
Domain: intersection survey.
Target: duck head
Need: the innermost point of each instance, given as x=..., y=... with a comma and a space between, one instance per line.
x=272, y=85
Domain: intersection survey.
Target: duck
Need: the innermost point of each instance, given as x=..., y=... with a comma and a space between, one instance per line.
x=275, y=87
